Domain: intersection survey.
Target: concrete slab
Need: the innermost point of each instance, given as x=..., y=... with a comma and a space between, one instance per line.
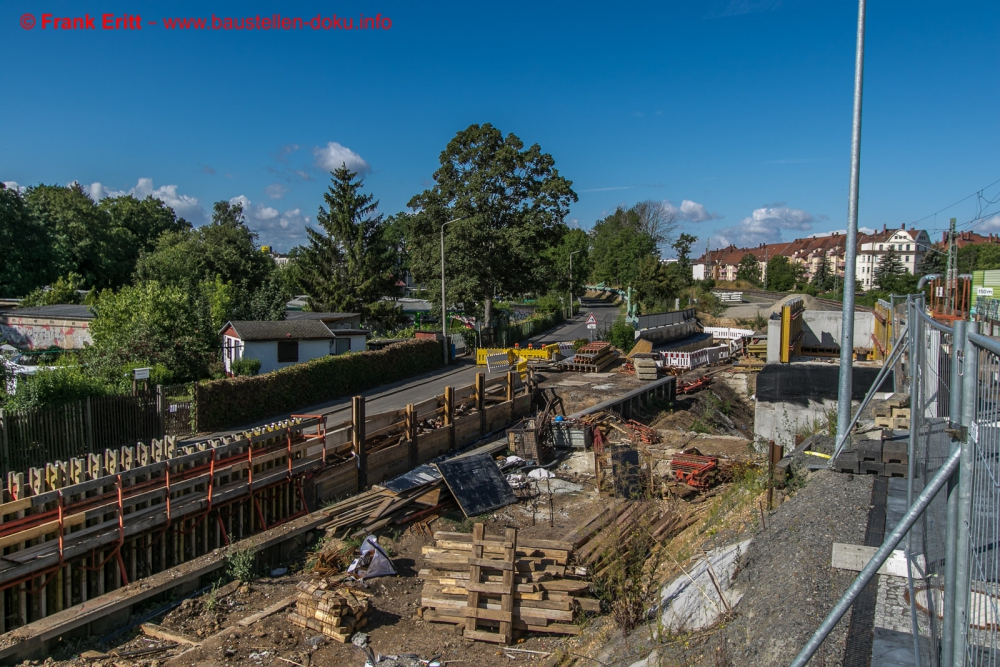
x=891, y=649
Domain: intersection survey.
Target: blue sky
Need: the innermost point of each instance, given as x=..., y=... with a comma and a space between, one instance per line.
x=741, y=108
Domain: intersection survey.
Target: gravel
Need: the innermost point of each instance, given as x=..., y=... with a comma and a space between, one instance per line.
x=790, y=586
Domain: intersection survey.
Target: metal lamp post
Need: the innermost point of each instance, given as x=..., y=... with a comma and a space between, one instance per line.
x=444, y=305
x=571, y=283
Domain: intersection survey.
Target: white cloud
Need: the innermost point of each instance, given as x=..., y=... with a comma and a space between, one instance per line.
x=280, y=230
x=276, y=190
x=689, y=210
x=14, y=186
x=764, y=225
x=989, y=226
x=333, y=155
x=184, y=206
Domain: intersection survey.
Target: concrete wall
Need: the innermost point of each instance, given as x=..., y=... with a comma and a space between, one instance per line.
x=773, y=341
x=660, y=335
x=822, y=328
x=802, y=397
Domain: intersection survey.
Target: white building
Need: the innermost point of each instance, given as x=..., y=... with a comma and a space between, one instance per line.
x=909, y=245
x=286, y=342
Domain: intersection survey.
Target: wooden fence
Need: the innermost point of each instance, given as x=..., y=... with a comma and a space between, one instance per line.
x=31, y=438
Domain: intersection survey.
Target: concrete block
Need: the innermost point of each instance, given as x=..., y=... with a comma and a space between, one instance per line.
x=847, y=462
x=901, y=413
x=895, y=469
x=895, y=451
x=870, y=450
x=883, y=422
x=901, y=424
x=898, y=401
x=872, y=468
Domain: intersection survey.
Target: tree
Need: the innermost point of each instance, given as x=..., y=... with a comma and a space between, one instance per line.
x=748, y=269
x=782, y=275
x=138, y=224
x=657, y=222
x=347, y=266
x=513, y=201
x=82, y=238
x=152, y=324
x=63, y=290
x=26, y=246
x=556, y=258
x=658, y=284
x=619, y=244
x=888, y=272
x=682, y=267
x=823, y=279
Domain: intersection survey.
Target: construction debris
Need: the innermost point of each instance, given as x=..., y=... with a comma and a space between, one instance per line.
x=691, y=386
x=338, y=614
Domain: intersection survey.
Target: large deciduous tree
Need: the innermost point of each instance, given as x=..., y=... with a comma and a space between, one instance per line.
x=619, y=244
x=513, y=201
x=348, y=265
x=782, y=275
x=25, y=244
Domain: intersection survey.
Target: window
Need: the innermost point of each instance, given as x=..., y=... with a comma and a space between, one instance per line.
x=907, y=258
x=879, y=246
x=908, y=246
x=288, y=351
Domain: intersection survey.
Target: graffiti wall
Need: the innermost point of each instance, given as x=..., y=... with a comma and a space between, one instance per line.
x=26, y=333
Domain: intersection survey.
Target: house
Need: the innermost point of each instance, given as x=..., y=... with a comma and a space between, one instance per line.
x=909, y=245
x=41, y=327
x=287, y=342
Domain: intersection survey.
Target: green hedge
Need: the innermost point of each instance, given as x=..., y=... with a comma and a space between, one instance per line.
x=221, y=404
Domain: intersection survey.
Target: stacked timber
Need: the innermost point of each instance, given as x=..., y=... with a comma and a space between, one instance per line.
x=481, y=583
x=338, y=614
x=379, y=508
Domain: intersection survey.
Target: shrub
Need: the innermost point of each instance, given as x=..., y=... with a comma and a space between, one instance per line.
x=247, y=366
x=621, y=335
x=241, y=565
x=233, y=401
x=62, y=384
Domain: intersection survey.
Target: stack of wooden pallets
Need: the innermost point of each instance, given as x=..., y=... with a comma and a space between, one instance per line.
x=493, y=586
x=338, y=614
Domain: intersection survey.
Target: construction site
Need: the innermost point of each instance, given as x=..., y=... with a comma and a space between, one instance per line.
x=574, y=503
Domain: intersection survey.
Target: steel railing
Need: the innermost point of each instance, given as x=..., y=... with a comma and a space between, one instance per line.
x=951, y=540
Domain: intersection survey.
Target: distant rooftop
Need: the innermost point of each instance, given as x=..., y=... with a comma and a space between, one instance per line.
x=62, y=311
x=322, y=317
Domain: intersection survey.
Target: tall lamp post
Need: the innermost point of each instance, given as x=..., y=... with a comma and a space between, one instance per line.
x=571, y=283
x=444, y=306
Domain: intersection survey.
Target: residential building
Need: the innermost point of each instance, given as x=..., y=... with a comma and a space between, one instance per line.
x=909, y=245
x=40, y=327
x=965, y=238
x=286, y=342
x=331, y=320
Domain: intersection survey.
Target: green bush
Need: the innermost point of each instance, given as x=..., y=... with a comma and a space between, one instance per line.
x=235, y=401
x=621, y=335
x=62, y=384
x=246, y=366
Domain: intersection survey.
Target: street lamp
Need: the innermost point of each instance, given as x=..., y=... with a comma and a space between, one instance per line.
x=444, y=306
x=571, y=282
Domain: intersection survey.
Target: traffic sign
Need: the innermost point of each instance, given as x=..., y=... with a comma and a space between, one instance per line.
x=591, y=320
x=591, y=326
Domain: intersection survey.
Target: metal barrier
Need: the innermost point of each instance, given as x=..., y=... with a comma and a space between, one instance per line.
x=953, y=376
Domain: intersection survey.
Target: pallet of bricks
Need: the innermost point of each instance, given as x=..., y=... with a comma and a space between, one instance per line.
x=894, y=413
x=491, y=587
x=338, y=613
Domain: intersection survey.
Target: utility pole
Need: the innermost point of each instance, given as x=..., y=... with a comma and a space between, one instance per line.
x=851, y=250
x=951, y=275
x=570, y=316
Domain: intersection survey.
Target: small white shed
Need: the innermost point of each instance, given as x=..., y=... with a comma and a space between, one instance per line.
x=276, y=344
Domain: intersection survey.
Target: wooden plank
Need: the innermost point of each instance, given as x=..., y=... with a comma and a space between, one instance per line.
x=854, y=557
x=507, y=599
x=474, y=573
x=157, y=632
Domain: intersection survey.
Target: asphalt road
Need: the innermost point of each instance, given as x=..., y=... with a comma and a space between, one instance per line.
x=413, y=390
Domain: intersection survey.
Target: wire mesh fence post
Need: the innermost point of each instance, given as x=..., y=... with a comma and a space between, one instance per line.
x=915, y=323
x=969, y=371
x=951, y=544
